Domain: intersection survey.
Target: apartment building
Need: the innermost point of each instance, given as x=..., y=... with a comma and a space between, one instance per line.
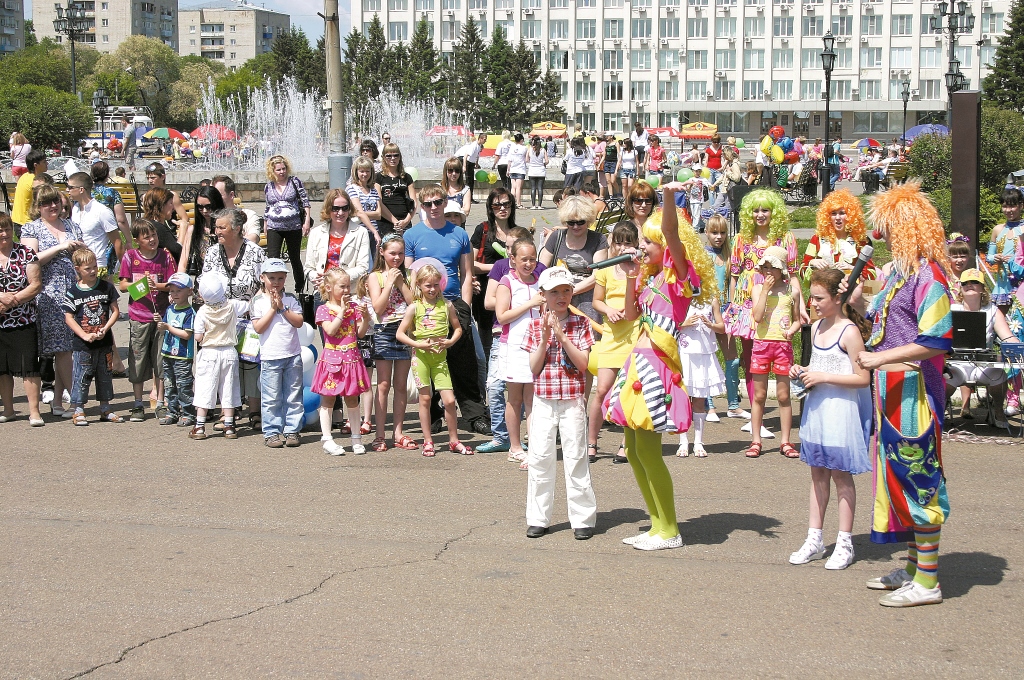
x=112, y=21
x=744, y=65
x=12, y=26
x=230, y=32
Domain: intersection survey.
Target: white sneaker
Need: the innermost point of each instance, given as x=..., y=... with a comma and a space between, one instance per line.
x=911, y=595
x=333, y=448
x=765, y=432
x=66, y=397
x=738, y=413
x=712, y=417
x=683, y=451
x=47, y=396
x=358, y=449
x=633, y=539
x=894, y=579
x=807, y=552
x=841, y=557
x=658, y=543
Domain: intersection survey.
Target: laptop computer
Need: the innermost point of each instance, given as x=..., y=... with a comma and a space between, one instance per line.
x=969, y=331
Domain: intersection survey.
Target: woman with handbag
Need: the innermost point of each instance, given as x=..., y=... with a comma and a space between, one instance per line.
x=200, y=236
x=397, y=192
x=287, y=215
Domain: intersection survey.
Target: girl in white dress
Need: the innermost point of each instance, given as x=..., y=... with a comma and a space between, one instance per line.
x=702, y=374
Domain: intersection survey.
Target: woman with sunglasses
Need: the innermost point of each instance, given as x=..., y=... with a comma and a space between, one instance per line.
x=575, y=247
x=453, y=181
x=368, y=149
x=488, y=242
x=337, y=241
x=200, y=236
x=397, y=191
x=640, y=203
x=53, y=238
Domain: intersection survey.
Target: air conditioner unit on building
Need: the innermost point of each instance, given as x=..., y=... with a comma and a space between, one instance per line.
x=645, y=41
x=719, y=74
x=986, y=38
x=868, y=9
x=536, y=43
x=915, y=93
x=843, y=6
x=808, y=9
x=747, y=41
x=613, y=74
x=785, y=41
x=528, y=11
x=709, y=95
x=894, y=74
x=732, y=41
x=670, y=10
x=586, y=75
x=985, y=4
x=641, y=105
x=450, y=13
x=641, y=10
x=864, y=40
x=842, y=39
x=510, y=12
x=617, y=42
x=590, y=43
x=760, y=9
x=553, y=44
x=672, y=74
x=424, y=15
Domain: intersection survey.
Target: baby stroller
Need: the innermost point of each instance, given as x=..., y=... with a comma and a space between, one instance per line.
x=801, y=189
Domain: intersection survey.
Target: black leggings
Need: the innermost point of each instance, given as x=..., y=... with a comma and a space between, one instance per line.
x=503, y=177
x=536, y=191
x=293, y=239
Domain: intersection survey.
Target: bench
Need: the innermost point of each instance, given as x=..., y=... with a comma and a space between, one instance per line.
x=613, y=213
x=128, y=192
x=190, y=210
x=897, y=174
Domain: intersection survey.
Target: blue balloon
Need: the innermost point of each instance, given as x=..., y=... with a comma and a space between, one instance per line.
x=312, y=348
x=786, y=143
x=311, y=419
x=310, y=401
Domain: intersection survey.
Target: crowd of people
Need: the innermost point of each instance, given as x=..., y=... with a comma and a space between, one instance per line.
x=509, y=329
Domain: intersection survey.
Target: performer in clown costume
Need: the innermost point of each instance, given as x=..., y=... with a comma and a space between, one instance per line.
x=648, y=398
x=911, y=333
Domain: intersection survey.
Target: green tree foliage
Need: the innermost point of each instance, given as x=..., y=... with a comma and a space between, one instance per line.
x=930, y=159
x=1004, y=84
x=501, y=98
x=121, y=88
x=370, y=62
x=45, y=63
x=1002, y=145
x=469, y=86
x=30, y=34
x=153, y=64
x=990, y=212
x=186, y=92
x=294, y=58
x=47, y=117
x=549, y=96
x=424, y=66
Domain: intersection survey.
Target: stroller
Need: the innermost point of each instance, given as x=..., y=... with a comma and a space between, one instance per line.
x=803, y=189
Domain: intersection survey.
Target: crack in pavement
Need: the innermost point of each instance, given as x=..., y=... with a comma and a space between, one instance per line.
x=128, y=650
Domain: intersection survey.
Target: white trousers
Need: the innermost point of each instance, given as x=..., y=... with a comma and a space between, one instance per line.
x=567, y=417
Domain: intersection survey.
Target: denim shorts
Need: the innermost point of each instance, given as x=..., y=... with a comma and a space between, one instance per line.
x=386, y=346
x=516, y=175
x=610, y=168
x=628, y=173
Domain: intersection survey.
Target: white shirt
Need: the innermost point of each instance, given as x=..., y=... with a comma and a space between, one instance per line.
x=638, y=140
x=280, y=340
x=503, y=148
x=535, y=163
x=96, y=221
x=517, y=159
x=574, y=164
x=471, y=152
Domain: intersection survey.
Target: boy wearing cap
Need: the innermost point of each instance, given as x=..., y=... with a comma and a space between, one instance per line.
x=176, y=352
x=216, y=332
x=277, y=316
x=559, y=345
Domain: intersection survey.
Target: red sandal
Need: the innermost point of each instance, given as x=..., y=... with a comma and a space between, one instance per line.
x=379, y=445
x=406, y=443
x=460, y=448
x=428, y=449
x=754, y=450
x=788, y=450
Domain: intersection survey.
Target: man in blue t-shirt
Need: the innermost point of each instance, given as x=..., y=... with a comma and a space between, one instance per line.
x=448, y=243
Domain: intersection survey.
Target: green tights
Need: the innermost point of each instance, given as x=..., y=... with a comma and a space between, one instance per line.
x=643, y=449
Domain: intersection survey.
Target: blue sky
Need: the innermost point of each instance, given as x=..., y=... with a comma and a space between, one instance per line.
x=303, y=14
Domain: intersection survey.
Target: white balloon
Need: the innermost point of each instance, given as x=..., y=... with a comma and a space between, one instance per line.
x=308, y=365
x=306, y=334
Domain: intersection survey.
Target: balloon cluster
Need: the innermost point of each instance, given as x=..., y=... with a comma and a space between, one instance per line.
x=779, y=148
x=687, y=174
x=310, y=399
x=486, y=176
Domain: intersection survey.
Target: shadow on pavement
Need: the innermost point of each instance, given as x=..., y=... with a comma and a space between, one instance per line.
x=961, y=571
x=715, y=528
x=609, y=520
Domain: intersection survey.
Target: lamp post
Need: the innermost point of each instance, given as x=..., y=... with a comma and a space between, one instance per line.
x=828, y=63
x=71, y=22
x=100, y=102
x=957, y=21
x=905, y=94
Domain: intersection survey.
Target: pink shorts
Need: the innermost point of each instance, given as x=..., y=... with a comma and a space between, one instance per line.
x=771, y=356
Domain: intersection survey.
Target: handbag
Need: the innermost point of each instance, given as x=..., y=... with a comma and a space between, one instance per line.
x=308, y=306
x=248, y=342
x=298, y=200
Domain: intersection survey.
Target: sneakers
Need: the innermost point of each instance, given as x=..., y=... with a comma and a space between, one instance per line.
x=1012, y=403
x=358, y=449
x=765, y=432
x=894, y=579
x=841, y=557
x=169, y=420
x=137, y=414
x=332, y=447
x=738, y=413
x=291, y=440
x=808, y=551
x=712, y=417
x=658, y=543
x=274, y=441
x=633, y=539
x=911, y=594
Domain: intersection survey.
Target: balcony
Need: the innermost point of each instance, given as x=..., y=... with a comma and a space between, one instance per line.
x=167, y=32
x=268, y=36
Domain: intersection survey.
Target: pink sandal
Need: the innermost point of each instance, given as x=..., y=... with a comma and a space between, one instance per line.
x=428, y=449
x=460, y=448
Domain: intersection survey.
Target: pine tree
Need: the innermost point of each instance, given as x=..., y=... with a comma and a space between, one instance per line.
x=420, y=82
x=468, y=85
x=294, y=58
x=549, y=97
x=1005, y=83
x=502, y=97
x=349, y=57
x=527, y=86
x=371, y=59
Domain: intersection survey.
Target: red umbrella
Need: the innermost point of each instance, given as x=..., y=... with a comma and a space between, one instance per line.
x=214, y=131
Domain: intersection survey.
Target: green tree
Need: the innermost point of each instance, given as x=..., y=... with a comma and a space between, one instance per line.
x=1002, y=145
x=45, y=63
x=370, y=61
x=122, y=88
x=501, y=98
x=294, y=58
x=153, y=64
x=30, y=34
x=187, y=91
x=549, y=96
x=930, y=160
x=526, y=73
x=350, y=53
x=424, y=65
x=468, y=84
x=1004, y=85
x=46, y=116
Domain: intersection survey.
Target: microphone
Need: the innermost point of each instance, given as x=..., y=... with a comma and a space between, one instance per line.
x=858, y=267
x=612, y=261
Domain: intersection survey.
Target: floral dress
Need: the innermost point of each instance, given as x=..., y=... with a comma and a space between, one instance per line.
x=58, y=277
x=739, y=317
x=340, y=371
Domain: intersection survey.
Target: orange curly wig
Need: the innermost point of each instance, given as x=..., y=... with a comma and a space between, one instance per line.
x=913, y=225
x=836, y=200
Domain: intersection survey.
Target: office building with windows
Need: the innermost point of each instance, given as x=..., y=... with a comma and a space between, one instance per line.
x=744, y=65
x=229, y=32
x=114, y=20
x=12, y=26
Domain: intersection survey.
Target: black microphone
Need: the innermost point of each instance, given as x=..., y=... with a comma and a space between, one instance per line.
x=612, y=261
x=858, y=267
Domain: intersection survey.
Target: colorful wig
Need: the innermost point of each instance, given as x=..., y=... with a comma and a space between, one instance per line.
x=836, y=200
x=695, y=252
x=914, y=227
x=764, y=198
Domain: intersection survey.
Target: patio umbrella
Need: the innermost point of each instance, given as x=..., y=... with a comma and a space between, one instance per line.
x=868, y=141
x=929, y=129
x=214, y=131
x=164, y=133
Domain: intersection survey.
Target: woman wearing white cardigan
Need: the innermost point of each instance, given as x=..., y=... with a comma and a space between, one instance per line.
x=337, y=241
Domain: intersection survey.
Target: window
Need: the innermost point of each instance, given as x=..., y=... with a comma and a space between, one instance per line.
x=232, y=29
x=450, y=30
x=753, y=27
x=614, y=28
x=753, y=58
x=451, y=4
x=731, y=122
x=782, y=27
x=612, y=90
x=668, y=28
x=640, y=90
x=234, y=42
x=558, y=60
x=106, y=38
x=668, y=59
x=903, y=24
x=640, y=60
x=232, y=55
x=842, y=25
x=696, y=90
x=104, y=6
x=586, y=3
x=782, y=90
x=871, y=24
x=696, y=59
x=782, y=58
x=532, y=29
x=697, y=3
x=558, y=29
x=696, y=28
x=669, y=3
x=668, y=90
x=586, y=91
x=366, y=29
x=725, y=59
x=565, y=89
x=398, y=5
x=481, y=25
x=753, y=90
x=191, y=29
x=725, y=90
x=871, y=57
x=840, y=90
x=398, y=31
x=192, y=42
x=725, y=27
x=930, y=89
x=965, y=53
x=810, y=89
x=613, y=3
x=586, y=59
x=612, y=122
x=424, y=5
x=900, y=57
x=477, y=4
x=504, y=4
x=642, y=3
x=104, y=22
x=810, y=57
x=988, y=56
x=638, y=28
x=614, y=59
x=871, y=90
x=877, y=122
x=926, y=25
x=844, y=57
x=586, y=29
x=813, y=26
x=992, y=22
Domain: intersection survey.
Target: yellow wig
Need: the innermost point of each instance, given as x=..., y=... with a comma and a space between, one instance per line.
x=695, y=252
x=914, y=227
x=841, y=199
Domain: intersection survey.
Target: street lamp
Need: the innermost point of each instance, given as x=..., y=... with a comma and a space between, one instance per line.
x=905, y=93
x=957, y=21
x=100, y=102
x=71, y=22
x=828, y=63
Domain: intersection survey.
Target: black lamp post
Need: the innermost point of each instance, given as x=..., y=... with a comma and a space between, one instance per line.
x=905, y=93
x=100, y=102
x=828, y=63
x=71, y=22
x=957, y=21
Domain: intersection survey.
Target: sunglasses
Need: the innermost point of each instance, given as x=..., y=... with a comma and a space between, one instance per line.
x=392, y=155
x=505, y=205
x=436, y=203
x=575, y=223
x=52, y=204
x=642, y=201
x=204, y=206
x=340, y=208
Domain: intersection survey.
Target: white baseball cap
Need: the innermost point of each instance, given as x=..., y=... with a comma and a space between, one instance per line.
x=272, y=265
x=453, y=207
x=553, y=277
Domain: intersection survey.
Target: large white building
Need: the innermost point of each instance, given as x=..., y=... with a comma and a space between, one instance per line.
x=111, y=21
x=229, y=32
x=743, y=64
